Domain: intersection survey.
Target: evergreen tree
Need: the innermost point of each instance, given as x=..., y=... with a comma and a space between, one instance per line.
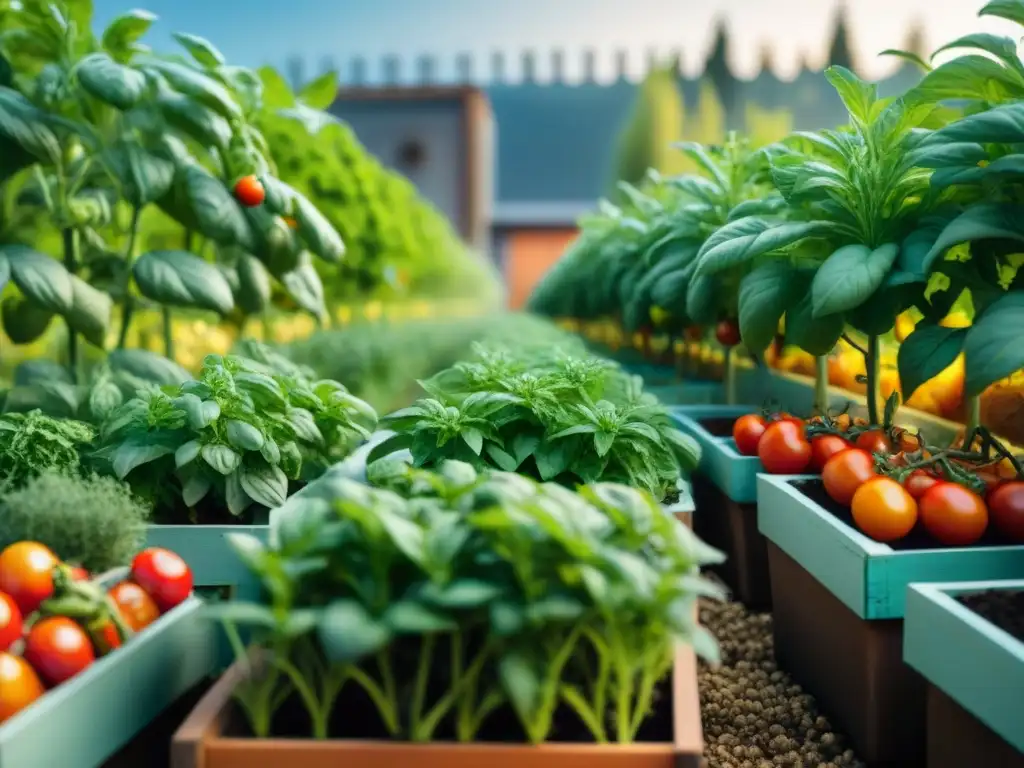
x=654, y=124
x=916, y=42
x=716, y=69
x=839, y=53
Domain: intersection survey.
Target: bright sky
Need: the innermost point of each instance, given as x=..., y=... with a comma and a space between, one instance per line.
x=254, y=32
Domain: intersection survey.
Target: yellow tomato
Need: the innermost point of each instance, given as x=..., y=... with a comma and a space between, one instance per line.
x=924, y=400
x=957, y=319
x=948, y=386
x=904, y=326
x=888, y=382
x=843, y=370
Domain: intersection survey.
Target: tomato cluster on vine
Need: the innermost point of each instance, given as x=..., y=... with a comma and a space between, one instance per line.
x=56, y=620
x=890, y=479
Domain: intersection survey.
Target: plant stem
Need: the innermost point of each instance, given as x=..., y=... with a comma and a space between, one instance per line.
x=871, y=365
x=973, y=420
x=419, y=690
x=168, y=322
x=129, y=300
x=821, y=385
x=730, y=376
x=71, y=244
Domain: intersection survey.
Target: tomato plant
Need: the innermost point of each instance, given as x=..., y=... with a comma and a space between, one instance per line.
x=883, y=509
x=26, y=574
x=874, y=441
x=824, y=447
x=138, y=609
x=845, y=472
x=1006, y=508
x=919, y=481
x=10, y=621
x=783, y=449
x=163, y=575
x=58, y=649
x=19, y=685
x=953, y=515
x=747, y=432
x=249, y=191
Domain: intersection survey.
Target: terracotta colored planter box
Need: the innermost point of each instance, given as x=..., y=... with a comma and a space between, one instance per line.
x=975, y=676
x=209, y=739
x=838, y=606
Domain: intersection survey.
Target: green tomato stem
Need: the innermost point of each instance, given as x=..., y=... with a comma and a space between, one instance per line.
x=419, y=690
x=71, y=246
x=167, y=322
x=973, y=415
x=821, y=398
x=872, y=363
x=129, y=300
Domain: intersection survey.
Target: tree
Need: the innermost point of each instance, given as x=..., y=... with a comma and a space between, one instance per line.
x=655, y=122
x=839, y=52
x=716, y=68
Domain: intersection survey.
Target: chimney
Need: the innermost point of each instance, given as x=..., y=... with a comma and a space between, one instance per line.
x=357, y=72
x=498, y=67
x=529, y=67
x=425, y=66
x=464, y=68
x=589, y=66
x=558, y=67
x=391, y=70
x=621, y=64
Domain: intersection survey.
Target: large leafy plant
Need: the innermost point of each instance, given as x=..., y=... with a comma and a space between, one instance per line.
x=242, y=433
x=566, y=419
x=451, y=599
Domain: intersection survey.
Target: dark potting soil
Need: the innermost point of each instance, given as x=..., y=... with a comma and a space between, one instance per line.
x=754, y=715
x=213, y=511
x=1002, y=607
x=917, y=539
x=718, y=426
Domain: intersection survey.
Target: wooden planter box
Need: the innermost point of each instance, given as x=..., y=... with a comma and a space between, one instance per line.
x=975, y=676
x=838, y=604
x=725, y=492
x=205, y=740
x=89, y=718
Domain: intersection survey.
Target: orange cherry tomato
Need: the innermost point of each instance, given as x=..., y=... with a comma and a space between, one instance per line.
x=953, y=515
x=1006, y=506
x=784, y=449
x=747, y=432
x=58, y=649
x=138, y=609
x=19, y=685
x=824, y=448
x=883, y=509
x=11, y=625
x=249, y=191
x=845, y=472
x=874, y=441
x=26, y=574
x=918, y=482
x=727, y=332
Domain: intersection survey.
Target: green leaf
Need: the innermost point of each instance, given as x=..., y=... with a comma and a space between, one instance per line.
x=998, y=125
x=849, y=277
x=33, y=371
x=221, y=458
x=407, y=617
x=136, y=451
x=265, y=484
x=968, y=77
x=317, y=232
x=348, y=633
x=751, y=238
x=187, y=453
x=195, y=488
x=254, y=289
x=464, y=593
x=243, y=436
x=196, y=85
x=6, y=72
x=148, y=366
x=112, y=83
x=144, y=177
x=1003, y=48
x=40, y=278
x=104, y=398
x=1011, y=10
x=24, y=321
x=702, y=299
x=194, y=120
x=27, y=127
x=473, y=438
x=926, y=353
x=503, y=460
x=182, y=279
x=521, y=683
x=304, y=286
x=200, y=49
x=985, y=221
x=322, y=92
x=816, y=336
x=765, y=295
x=699, y=155
x=993, y=348
x=552, y=458
x=235, y=496
x=90, y=312
x=603, y=442
x=277, y=94
x=858, y=96
x=124, y=31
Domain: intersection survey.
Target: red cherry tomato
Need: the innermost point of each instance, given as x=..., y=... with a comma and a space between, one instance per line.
x=10, y=621
x=784, y=450
x=164, y=575
x=1006, y=506
x=727, y=333
x=78, y=573
x=58, y=649
x=138, y=609
x=249, y=191
x=953, y=515
x=845, y=472
x=824, y=448
x=918, y=482
x=747, y=433
x=26, y=574
x=874, y=441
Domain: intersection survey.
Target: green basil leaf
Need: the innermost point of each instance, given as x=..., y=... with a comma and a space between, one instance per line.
x=992, y=348
x=321, y=92
x=148, y=366
x=221, y=458
x=254, y=289
x=201, y=49
x=243, y=436
x=407, y=617
x=197, y=86
x=501, y=459
x=305, y=426
x=40, y=278
x=849, y=277
x=702, y=299
x=265, y=484
x=858, y=96
x=1003, y=48
x=967, y=77
x=195, y=488
x=305, y=287
x=348, y=632
x=182, y=279
x=317, y=232
x=136, y=451
x=124, y=31
x=926, y=353
x=473, y=438
x=24, y=321
x=27, y=127
x=235, y=496
x=816, y=336
x=194, y=120
x=750, y=238
x=187, y=453
x=104, y=398
x=985, y=221
x=112, y=83
x=765, y=295
x=144, y=177
x=90, y=312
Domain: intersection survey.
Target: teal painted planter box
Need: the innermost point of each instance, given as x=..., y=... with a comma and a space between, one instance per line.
x=215, y=566
x=89, y=718
x=732, y=473
x=975, y=663
x=868, y=577
x=688, y=393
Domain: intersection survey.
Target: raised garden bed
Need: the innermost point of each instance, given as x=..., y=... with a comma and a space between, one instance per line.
x=86, y=720
x=967, y=641
x=839, y=600
x=213, y=737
